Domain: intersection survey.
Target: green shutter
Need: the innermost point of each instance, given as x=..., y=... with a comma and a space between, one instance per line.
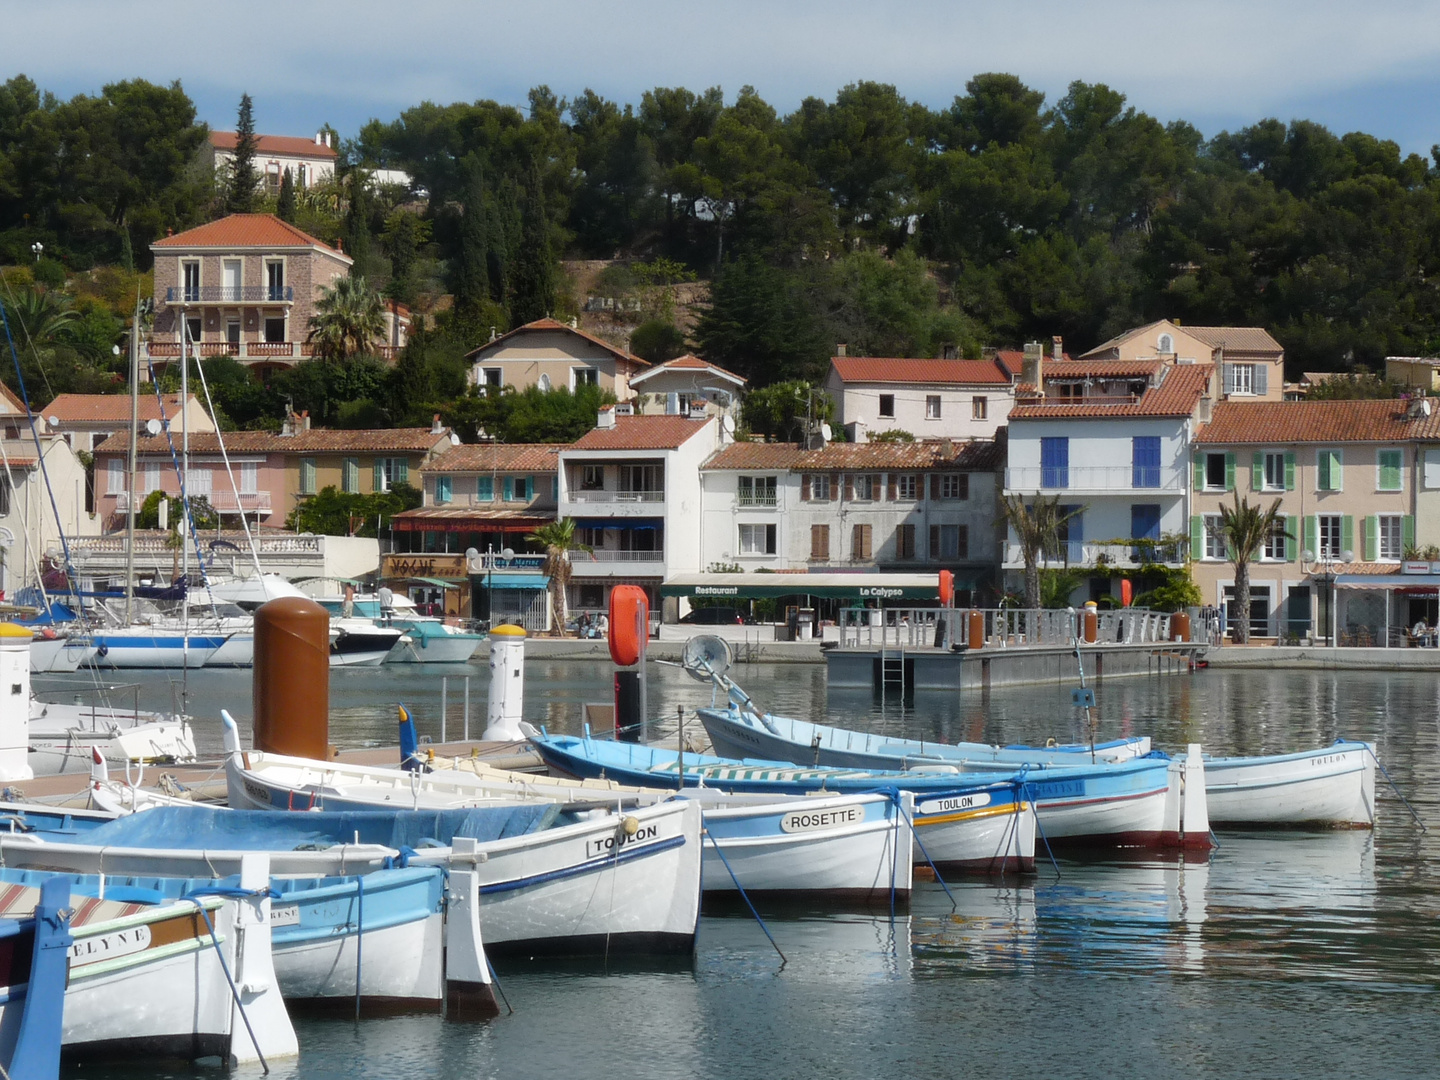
x=509, y=489
x=1390, y=470
x=485, y=488
x=1197, y=537
x=1407, y=533
x=1372, y=538
x=1312, y=534
x=1257, y=472
x=1290, y=542
x=1347, y=534
x=307, y=476
x=379, y=477
x=1229, y=472
x=350, y=475
x=1198, y=469
x=1289, y=472
x=402, y=470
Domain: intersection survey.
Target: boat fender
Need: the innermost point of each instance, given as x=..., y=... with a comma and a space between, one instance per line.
x=102, y=650
x=1050, y=743
x=630, y=825
x=49, y=633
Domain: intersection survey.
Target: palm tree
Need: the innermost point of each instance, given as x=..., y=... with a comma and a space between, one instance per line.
x=1245, y=529
x=348, y=320
x=1037, y=528
x=558, y=539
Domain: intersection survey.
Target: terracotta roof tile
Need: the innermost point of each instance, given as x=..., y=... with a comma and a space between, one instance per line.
x=688, y=362
x=108, y=408
x=1249, y=340
x=245, y=230
x=485, y=457
x=642, y=433
x=1177, y=396
x=292, y=145
x=318, y=440
x=930, y=454
x=1100, y=369
x=877, y=369
x=555, y=324
x=1316, y=422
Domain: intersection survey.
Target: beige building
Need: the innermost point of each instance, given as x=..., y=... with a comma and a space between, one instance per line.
x=1251, y=362
x=688, y=384
x=551, y=355
x=246, y=286
x=1421, y=372
x=1353, y=479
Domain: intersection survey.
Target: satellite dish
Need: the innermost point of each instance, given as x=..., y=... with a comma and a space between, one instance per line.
x=825, y=431
x=55, y=421
x=728, y=423
x=706, y=656
x=115, y=350
x=152, y=426
x=454, y=439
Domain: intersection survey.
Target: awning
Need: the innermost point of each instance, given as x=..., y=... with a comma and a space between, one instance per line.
x=464, y=519
x=881, y=588
x=499, y=580
x=619, y=523
x=439, y=583
x=1387, y=581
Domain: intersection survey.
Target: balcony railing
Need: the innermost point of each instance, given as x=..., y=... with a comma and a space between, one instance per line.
x=617, y=496
x=1101, y=478
x=243, y=350
x=230, y=294
x=223, y=501
x=290, y=544
x=604, y=555
x=757, y=498
x=1082, y=554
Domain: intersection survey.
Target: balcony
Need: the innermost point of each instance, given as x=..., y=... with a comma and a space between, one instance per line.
x=1078, y=553
x=230, y=294
x=611, y=563
x=608, y=496
x=1096, y=479
x=606, y=555
x=757, y=498
x=222, y=501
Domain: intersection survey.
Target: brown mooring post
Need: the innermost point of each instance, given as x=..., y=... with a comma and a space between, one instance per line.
x=292, y=678
x=1180, y=626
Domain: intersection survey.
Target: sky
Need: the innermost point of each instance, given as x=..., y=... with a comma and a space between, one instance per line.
x=1219, y=64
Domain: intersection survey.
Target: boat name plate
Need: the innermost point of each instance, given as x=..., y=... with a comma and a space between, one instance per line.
x=92, y=950
x=951, y=803
x=821, y=820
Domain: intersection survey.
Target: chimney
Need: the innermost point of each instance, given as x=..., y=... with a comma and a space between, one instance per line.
x=340, y=245
x=1032, y=368
x=436, y=428
x=840, y=349
x=305, y=420
x=319, y=138
x=672, y=404
x=605, y=419
x=1057, y=348
x=169, y=231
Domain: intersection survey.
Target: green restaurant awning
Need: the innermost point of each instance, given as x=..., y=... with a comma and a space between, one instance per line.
x=881, y=588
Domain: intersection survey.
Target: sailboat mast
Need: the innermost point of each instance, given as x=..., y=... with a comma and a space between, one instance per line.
x=130, y=471
x=185, y=524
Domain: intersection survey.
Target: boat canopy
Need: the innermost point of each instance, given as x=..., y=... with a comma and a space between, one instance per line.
x=886, y=588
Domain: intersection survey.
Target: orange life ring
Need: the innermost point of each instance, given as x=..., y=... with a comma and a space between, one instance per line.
x=48, y=633
x=947, y=588
x=629, y=619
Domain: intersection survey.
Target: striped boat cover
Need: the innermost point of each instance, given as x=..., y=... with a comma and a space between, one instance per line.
x=755, y=772
x=18, y=902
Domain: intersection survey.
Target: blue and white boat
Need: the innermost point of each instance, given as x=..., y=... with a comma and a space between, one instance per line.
x=425, y=640
x=153, y=647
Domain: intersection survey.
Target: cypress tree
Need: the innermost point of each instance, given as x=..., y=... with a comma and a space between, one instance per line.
x=357, y=222
x=472, y=279
x=533, y=269
x=285, y=208
x=244, y=179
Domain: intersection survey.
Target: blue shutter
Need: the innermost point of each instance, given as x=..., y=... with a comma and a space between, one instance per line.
x=1145, y=521
x=1145, y=461
x=485, y=488
x=509, y=488
x=442, y=489
x=1055, y=462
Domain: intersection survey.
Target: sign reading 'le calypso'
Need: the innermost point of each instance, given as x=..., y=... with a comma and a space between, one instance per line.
x=821, y=820
x=953, y=803
x=881, y=592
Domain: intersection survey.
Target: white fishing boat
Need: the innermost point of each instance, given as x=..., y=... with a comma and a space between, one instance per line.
x=356, y=642
x=153, y=981
x=1331, y=786
x=60, y=652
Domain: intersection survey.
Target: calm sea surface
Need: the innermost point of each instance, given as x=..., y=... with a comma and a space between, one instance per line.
x=1287, y=955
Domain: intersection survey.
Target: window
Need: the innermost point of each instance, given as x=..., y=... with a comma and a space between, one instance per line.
x=1259, y=610
x=820, y=542
x=1242, y=378
x=1214, y=537
x=1330, y=469
x=198, y=482
x=1332, y=535
x=1166, y=345
x=757, y=539
x=4, y=496
x=907, y=487
x=592, y=477
x=1277, y=544
x=350, y=475
x=1273, y=472
x=1055, y=462
x=519, y=488
x=192, y=328
x=590, y=537
x=584, y=376
x=949, y=541
x=816, y=487
x=954, y=485
x=979, y=408
x=1388, y=465
x=1145, y=521
x=230, y=277
x=757, y=491
x=275, y=281
x=390, y=471
x=484, y=489
x=249, y=477
x=1145, y=461
x=887, y=405
x=1391, y=530
x=932, y=406
x=443, y=490
x=274, y=329
x=544, y=384
x=232, y=331
x=905, y=541
x=307, y=476
x=864, y=485
x=1219, y=472
x=860, y=542
x=114, y=476
x=191, y=272
x=152, y=478
x=490, y=377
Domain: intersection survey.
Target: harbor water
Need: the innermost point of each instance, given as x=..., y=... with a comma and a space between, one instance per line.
x=1284, y=955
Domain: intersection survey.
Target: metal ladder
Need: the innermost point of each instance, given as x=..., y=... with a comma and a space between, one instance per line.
x=892, y=671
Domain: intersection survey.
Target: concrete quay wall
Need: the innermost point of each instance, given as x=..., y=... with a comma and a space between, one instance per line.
x=989, y=668
x=1304, y=657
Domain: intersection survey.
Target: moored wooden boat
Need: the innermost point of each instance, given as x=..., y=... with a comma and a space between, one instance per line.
x=1330, y=786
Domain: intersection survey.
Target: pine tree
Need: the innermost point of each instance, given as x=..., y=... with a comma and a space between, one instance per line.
x=285, y=208
x=244, y=179
x=472, y=278
x=532, y=277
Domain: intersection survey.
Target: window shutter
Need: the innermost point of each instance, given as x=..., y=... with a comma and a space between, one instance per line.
x=1347, y=533
x=1262, y=379
x=1372, y=538
x=920, y=487
x=442, y=489
x=963, y=551
x=1198, y=468
x=890, y=486
x=934, y=549
x=485, y=488
x=1229, y=472
x=934, y=487
x=1312, y=534
x=1257, y=472
x=402, y=470
x=805, y=488
x=379, y=476
x=849, y=488
x=509, y=489
x=1407, y=532
x=1290, y=542
x=1390, y=461
x=1229, y=378
x=1197, y=537
x=834, y=488
x=1289, y=471
x=1337, y=474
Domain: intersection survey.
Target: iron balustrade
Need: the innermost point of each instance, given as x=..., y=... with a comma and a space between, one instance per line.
x=230, y=294
x=1095, y=478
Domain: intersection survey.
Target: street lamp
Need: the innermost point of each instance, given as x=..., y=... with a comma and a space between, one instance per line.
x=38, y=248
x=1326, y=564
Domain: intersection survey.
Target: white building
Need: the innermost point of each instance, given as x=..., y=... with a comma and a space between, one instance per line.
x=1116, y=452
x=931, y=399
x=896, y=507
x=310, y=162
x=693, y=382
x=632, y=484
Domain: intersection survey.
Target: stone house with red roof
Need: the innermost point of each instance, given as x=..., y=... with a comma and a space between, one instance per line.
x=931, y=399
x=87, y=420
x=551, y=354
x=1250, y=362
x=245, y=286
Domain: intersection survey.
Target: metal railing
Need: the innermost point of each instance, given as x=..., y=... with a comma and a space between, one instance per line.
x=1095, y=478
x=230, y=294
x=757, y=498
x=1005, y=628
x=607, y=555
x=150, y=545
x=245, y=350
x=615, y=496
x=1081, y=553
